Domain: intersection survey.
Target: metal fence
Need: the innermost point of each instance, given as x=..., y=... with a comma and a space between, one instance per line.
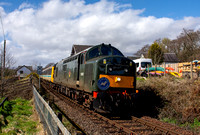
x=49, y=119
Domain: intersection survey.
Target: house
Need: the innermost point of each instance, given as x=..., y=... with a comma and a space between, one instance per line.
x=78, y=48
x=170, y=58
x=23, y=71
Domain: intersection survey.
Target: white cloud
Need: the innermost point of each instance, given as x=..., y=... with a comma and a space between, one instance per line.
x=24, y=5
x=4, y=3
x=46, y=34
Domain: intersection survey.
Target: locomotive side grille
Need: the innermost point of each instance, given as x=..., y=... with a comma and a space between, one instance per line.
x=88, y=73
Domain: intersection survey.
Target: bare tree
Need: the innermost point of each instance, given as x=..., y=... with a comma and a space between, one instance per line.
x=187, y=45
x=34, y=65
x=9, y=62
x=143, y=50
x=8, y=71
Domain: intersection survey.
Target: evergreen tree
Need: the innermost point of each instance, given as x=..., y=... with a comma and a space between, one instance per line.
x=156, y=53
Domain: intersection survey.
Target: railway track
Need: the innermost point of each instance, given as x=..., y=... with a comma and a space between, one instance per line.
x=91, y=122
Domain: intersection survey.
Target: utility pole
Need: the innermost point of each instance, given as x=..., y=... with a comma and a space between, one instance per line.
x=3, y=55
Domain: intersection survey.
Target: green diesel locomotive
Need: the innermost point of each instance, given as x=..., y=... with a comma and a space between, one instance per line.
x=99, y=76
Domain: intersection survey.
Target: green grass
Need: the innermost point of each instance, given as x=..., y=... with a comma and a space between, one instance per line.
x=140, y=79
x=195, y=126
x=15, y=118
x=172, y=121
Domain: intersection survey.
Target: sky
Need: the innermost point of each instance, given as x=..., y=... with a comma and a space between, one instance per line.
x=39, y=32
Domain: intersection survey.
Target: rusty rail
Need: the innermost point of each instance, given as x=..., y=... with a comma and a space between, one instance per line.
x=155, y=126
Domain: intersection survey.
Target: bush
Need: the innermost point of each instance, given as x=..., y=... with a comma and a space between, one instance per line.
x=33, y=74
x=181, y=96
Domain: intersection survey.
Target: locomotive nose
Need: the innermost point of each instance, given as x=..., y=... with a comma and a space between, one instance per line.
x=118, y=81
x=103, y=83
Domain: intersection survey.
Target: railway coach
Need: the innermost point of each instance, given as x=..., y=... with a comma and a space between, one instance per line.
x=99, y=76
x=47, y=73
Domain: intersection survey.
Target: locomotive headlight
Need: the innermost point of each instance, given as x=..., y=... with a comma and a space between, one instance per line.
x=117, y=79
x=126, y=70
x=110, y=69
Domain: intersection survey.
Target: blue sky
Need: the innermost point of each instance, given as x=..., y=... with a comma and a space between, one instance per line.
x=44, y=31
x=175, y=9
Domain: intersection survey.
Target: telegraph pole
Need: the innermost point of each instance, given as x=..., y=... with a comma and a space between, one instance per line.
x=3, y=56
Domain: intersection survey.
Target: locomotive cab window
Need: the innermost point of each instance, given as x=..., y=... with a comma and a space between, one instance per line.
x=117, y=52
x=93, y=53
x=102, y=50
x=106, y=50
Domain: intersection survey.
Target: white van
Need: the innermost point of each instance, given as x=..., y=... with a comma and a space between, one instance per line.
x=142, y=63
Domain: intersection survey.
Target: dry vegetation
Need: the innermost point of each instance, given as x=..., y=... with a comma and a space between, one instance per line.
x=180, y=97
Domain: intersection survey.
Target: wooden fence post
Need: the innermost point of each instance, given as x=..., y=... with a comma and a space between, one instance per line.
x=164, y=69
x=148, y=71
x=191, y=70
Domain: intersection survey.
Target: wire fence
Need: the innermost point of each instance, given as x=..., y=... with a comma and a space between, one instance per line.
x=49, y=119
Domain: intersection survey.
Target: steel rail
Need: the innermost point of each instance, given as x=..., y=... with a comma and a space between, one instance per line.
x=120, y=126
x=155, y=126
x=106, y=120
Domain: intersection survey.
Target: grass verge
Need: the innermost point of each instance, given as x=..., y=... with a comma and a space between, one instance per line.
x=15, y=118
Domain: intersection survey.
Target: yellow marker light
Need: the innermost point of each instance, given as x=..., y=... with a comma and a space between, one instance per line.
x=131, y=63
x=104, y=61
x=117, y=79
x=137, y=91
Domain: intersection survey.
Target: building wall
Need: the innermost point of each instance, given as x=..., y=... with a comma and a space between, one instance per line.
x=25, y=70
